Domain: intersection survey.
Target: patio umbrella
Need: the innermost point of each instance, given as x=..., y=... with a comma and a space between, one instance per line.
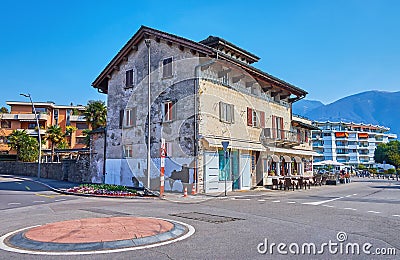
x=331, y=162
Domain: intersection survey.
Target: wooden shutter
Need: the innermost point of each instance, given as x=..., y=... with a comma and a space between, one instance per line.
x=121, y=118
x=232, y=108
x=281, y=128
x=249, y=116
x=274, y=134
x=221, y=111
x=173, y=110
x=262, y=119
x=133, y=116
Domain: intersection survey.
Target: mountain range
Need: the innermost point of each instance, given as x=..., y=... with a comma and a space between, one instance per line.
x=370, y=107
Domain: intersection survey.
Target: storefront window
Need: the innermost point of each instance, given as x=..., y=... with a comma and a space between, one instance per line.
x=224, y=166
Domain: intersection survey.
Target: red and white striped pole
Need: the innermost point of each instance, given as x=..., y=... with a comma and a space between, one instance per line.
x=162, y=168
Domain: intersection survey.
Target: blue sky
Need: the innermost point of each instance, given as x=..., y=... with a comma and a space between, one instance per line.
x=55, y=49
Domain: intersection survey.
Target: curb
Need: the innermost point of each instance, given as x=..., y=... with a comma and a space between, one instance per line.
x=61, y=191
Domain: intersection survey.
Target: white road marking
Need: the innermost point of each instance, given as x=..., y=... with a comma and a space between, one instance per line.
x=261, y=200
x=375, y=212
x=350, y=208
x=396, y=215
x=60, y=199
x=3, y=246
x=348, y=196
x=329, y=206
x=291, y=202
x=355, y=194
x=242, y=199
x=14, y=203
x=321, y=202
x=38, y=201
x=275, y=201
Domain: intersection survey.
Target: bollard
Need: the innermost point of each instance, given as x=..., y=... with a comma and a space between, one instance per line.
x=193, y=189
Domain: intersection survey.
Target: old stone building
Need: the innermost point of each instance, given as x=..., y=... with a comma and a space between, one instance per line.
x=202, y=93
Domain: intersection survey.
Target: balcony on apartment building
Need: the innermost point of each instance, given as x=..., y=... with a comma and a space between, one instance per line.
x=25, y=117
x=272, y=136
x=33, y=132
x=76, y=118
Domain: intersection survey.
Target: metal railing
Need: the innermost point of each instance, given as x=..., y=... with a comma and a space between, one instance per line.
x=272, y=135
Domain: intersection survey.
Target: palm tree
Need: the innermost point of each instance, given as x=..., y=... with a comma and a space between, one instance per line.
x=96, y=114
x=26, y=146
x=55, y=135
x=16, y=140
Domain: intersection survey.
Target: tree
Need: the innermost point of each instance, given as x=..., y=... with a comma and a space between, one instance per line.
x=4, y=110
x=69, y=129
x=389, y=153
x=86, y=133
x=26, y=146
x=96, y=114
x=55, y=135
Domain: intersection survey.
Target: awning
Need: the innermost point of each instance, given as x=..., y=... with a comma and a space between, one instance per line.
x=235, y=144
x=304, y=125
x=292, y=151
x=275, y=158
x=287, y=159
x=297, y=159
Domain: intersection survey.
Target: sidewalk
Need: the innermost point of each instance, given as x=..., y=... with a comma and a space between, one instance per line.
x=60, y=187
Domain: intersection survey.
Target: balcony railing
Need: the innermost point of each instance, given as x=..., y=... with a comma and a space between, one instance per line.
x=22, y=117
x=281, y=137
x=75, y=118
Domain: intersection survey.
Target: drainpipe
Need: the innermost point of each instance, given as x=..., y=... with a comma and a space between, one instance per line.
x=104, y=154
x=195, y=92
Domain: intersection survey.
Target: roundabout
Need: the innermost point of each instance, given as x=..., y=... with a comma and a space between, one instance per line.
x=95, y=236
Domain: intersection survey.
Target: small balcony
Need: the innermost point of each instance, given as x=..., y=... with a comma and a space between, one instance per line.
x=77, y=118
x=33, y=132
x=271, y=136
x=26, y=117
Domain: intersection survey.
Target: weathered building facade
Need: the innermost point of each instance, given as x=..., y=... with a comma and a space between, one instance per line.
x=202, y=93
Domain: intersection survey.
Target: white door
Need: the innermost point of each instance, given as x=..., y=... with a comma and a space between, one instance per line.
x=211, y=179
x=245, y=173
x=113, y=171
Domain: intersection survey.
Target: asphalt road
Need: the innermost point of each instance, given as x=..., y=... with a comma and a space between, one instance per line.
x=365, y=211
x=16, y=193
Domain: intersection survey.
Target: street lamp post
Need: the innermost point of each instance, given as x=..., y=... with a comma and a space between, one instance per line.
x=38, y=126
x=148, y=42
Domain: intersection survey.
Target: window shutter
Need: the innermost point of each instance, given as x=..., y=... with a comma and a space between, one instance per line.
x=133, y=116
x=232, y=108
x=174, y=111
x=221, y=111
x=262, y=119
x=121, y=118
x=163, y=111
x=281, y=127
x=249, y=116
x=273, y=126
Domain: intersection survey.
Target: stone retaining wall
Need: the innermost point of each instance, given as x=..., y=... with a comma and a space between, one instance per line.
x=68, y=170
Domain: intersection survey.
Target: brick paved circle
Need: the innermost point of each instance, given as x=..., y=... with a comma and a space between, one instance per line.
x=98, y=230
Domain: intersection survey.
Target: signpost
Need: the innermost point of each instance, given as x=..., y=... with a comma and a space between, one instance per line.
x=162, y=168
x=225, y=146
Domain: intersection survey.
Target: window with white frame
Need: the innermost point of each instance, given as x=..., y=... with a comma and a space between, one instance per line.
x=128, y=152
x=226, y=112
x=55, y=116
x=169, y=111
x=130, y=117
x=168, y=149
x=167, y=67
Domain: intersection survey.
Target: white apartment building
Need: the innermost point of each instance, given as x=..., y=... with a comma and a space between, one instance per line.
x=348, y=143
